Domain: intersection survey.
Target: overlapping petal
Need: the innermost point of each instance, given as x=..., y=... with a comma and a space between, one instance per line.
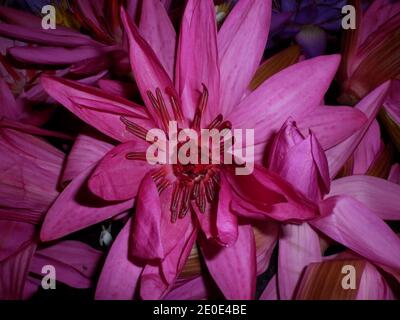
x=354, y=225
x=272, y=103
x=248, y=23
x=117, y=178
x=197, y=59
x=379, y=195
x=103, y=111
x=240, y=259
x=77, y=208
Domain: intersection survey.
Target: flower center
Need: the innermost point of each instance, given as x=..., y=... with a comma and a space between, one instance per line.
x=194, y=184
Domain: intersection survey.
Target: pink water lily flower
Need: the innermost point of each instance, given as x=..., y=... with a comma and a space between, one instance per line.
x=207, y=88
x=353, y=210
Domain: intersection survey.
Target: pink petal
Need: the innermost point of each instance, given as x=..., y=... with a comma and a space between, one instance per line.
x=248, y=23
x=238, y=281
x=14, y=236
x=117, y=88
x=271, y=291
x=76, y=263
x=332, y=125
x=119, y=277
x=132, y=8
x=368, y=149
x=30, y=169
x=338, y=155
x=86, y=151
x=373, y=285
x=19, y=17
x=59, y=37
x=33, y=22
x=93, y=13
x=392, y=104
x=266, y=237
x=147, y=69
x=152, y=284
x=153, y=233
x=157, y=280
x=192, y=289
x=55, y=55
x=284, y=95
x=157, y=29
x=265, y=194
x=197, y=59
x=298, y=247
x=207, y=220
x=117, y=178
x=227, y=227
x=76, y=208
x=377, y=14
x=33, y=129
x=302, y=163
x=36, y=93
x=111, y=57
x=378, y=195
x=176, y=260
x=99, y=109
x=352, y=224
x=166, y=3
x=394, y=175
x=14, y=272
x=32, y=286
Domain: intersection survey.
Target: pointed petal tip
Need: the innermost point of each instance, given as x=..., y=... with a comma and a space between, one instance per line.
x=125, y=18
x=46, y=235
x=332, y=60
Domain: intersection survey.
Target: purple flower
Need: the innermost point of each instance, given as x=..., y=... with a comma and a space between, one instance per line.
x=307, y=21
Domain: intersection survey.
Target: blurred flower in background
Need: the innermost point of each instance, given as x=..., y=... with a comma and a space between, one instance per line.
x=371, y=52
x=308, y=22
x=63, y=9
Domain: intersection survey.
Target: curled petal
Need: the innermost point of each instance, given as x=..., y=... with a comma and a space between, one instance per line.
x=154, y=236
x=117, y=178
x=265, y=194
x=157, y=279
x=227, y=227
x=86, y=151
